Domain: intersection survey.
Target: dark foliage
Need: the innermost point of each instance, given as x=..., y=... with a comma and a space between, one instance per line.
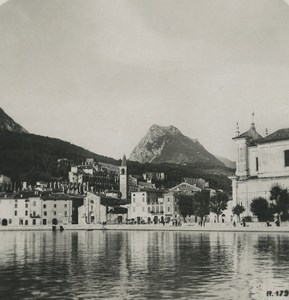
x=218, y=203
x=280, y=202
x=238, y=210
x=186, y=204
x=260, y=208
x=32, y=157
x=202, y=204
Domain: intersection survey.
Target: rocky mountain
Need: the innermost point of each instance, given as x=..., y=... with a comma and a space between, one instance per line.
x=8, y=124
x=227, y=162
x=166, y=144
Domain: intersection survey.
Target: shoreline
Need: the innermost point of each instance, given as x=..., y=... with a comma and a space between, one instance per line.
x=184, y=228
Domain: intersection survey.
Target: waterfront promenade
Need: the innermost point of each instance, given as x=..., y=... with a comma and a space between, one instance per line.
x=222, y=227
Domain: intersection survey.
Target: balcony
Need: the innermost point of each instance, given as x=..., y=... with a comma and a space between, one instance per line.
x=35, y=216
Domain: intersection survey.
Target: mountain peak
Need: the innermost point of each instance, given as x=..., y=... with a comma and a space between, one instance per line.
x=8, y=124
x=166, y=144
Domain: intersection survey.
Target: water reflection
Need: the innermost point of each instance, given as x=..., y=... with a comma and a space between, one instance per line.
x=139, y=265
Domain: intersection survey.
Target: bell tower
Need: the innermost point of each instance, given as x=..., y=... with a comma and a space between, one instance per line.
x=123, y=179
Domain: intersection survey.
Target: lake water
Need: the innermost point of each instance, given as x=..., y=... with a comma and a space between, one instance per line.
x=142, y=265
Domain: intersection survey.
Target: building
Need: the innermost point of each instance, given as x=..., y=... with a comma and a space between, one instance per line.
x=157, y=176
x=198, y=182
x=186, y=188
x=34, y=208
x=98, y=208
x=93, y=176
x=92, y=212
x=262, y=162
x=146, y=205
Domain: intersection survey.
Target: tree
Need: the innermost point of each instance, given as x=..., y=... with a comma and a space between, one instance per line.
x=218, y=203
x=238, y=210
x=280, y=201
x=185, y=204
x=202, y=204
x=260, y=208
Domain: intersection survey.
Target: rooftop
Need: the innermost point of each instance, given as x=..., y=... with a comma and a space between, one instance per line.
x=279, y=135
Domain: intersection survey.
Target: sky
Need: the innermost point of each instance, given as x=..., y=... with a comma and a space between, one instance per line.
x=99, y=73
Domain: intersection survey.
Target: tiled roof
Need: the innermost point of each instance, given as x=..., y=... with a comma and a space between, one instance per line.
x=251, y=134
x=279, y=135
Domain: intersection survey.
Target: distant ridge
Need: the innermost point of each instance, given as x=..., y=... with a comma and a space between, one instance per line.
x=227, y=162
x=166, y=144
x=8, y=124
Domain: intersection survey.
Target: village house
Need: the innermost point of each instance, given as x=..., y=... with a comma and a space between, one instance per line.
x=262, y=162
x=34, y=208
x=97, y=209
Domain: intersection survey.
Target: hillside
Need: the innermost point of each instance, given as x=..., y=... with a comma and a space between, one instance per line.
x=166, y=144
x=227, y=162
x=32, y=157
x=8, y=124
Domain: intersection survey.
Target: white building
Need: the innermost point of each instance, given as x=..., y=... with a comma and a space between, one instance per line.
x=32, y=208
x=92, y=212
x=262, y=162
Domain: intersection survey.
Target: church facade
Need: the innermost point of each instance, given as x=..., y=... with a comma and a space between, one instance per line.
x=262, y=162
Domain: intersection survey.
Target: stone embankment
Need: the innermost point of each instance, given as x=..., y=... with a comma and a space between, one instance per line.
x=209, y=227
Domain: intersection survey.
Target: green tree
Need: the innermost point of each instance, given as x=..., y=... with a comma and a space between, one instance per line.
x=185, y=204
x=238, y=210
x=218, y=203
x=202, y=204
x=280, y=201
x=260, y=208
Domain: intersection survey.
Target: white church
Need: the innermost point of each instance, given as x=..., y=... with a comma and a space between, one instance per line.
x=262, y=162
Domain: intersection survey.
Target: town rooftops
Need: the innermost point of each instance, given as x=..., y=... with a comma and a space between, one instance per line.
x=59, y=196
x=279, y=135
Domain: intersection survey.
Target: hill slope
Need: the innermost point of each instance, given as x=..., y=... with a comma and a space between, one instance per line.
x=166, y=144
x=227, y=162
x=33, y=157
x=8, y=124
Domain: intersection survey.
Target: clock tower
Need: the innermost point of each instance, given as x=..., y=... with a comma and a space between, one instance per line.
x=123, y=179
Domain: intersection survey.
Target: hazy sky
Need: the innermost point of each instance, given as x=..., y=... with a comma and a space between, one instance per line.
x=99, y=73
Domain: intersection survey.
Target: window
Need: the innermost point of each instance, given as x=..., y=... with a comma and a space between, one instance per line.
x=15, y=205
x=169, y=209
x=45, y=213
x=34, y=203
x=55, y=213
x=149, y=209
x=44, y=205
x=34, y=222
x=286, y=154
x=54, y=205
x=15, y=213
x=143, y=199
x=65, y=205
x=26, y=212
x=168, y=199
x=26, y=205
x=10, y=221
x=257, y=164
x=65, y=214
